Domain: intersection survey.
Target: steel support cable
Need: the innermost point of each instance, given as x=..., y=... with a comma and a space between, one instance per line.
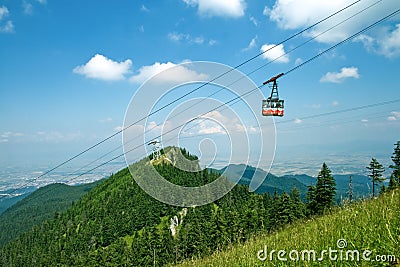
x=174, y=101
x=288, y=72
x=249, y=92
x=221, y=89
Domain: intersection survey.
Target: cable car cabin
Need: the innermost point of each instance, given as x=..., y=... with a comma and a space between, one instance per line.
x=272, y=107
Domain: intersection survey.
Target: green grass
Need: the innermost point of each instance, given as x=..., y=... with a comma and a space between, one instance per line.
x=368, y=225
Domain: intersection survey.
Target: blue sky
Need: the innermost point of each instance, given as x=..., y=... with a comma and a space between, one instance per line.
x=68, y=70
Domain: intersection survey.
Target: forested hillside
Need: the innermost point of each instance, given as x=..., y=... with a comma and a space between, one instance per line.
x=39, y=206
x=117, y=224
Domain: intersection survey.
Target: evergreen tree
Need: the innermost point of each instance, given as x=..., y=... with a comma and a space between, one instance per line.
x=311, y=204
x=376, y=169
x=297, y=205
x=325, y=190
x=392, y=183
x=396, y=163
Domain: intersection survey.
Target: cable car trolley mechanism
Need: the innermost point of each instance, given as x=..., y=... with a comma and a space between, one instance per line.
x=273, y=106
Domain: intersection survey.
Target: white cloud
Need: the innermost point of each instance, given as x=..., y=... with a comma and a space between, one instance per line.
x=298, y=121
x=364, y=120
x=118, y=128
x=28, y=8
x=254, y=20
x=215, y=122
x=102, y=68
x=4, y=12
x=220, y=8
x=339, y=77
x=199, y=40
x=209, y=127
x=5, y=134
x=159, y=129
x=184, y=37
x=179, y=73
x=386, y=42
x=267, y=11
x=395, y=115
x=252, y=44
x=144, y=8
x=299, y=14
x=274, y=53
x=43, y=2
x=177, y=37
x=8, y=27
x=335, y=103
x=298, y=61
x=212, y=42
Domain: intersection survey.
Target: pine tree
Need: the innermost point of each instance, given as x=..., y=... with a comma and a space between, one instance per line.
x=392, y=183
x=396, y=161
x=311, y=204
x=325, y=190
x=297, y=205
x=376, y=169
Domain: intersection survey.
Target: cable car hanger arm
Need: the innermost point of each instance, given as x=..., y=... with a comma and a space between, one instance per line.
x=274, y=78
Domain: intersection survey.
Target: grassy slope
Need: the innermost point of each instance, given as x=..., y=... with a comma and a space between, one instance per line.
x=371, y=224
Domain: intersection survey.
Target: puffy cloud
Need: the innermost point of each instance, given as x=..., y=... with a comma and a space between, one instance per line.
x=298, y=14
x=274, y=53
x=179, y=73
x=102, y=68
x=387, y=42
x=8, y=26
x=210, y=127
x=4, y=12
x=220, y=8
x=339, y=77
x=395, y=115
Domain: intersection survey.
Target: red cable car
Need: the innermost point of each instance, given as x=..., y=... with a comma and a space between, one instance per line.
x=273, y=106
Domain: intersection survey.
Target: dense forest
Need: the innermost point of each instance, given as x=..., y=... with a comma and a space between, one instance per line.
x=39, y=207
x=118, y=224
